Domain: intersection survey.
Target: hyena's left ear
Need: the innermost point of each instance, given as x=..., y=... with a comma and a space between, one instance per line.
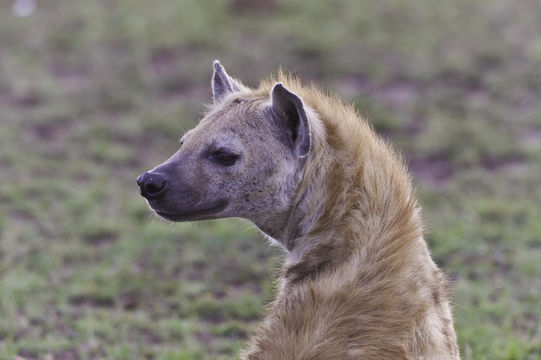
x=291, y=114
x=222, y=84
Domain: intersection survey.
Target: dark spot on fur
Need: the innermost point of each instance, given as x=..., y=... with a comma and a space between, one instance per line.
x=333, y=137
x=322, y=258
x=303, y=271
x=444, y=330
x=414, y=286
x=449, y=340
x=436, y=294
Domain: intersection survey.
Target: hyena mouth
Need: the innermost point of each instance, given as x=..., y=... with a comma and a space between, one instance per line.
x=195, y=213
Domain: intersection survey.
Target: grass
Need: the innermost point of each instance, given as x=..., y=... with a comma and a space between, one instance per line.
x=94, y=93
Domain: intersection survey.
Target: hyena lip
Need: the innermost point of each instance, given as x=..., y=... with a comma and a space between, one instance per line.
x=194, y=214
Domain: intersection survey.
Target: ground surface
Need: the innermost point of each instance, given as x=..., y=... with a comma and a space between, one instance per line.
x=92, y=93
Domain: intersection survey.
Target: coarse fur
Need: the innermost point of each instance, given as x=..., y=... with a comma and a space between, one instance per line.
x=358, y=281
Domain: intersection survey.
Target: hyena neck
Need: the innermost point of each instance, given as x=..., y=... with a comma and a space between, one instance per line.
x=367, y=210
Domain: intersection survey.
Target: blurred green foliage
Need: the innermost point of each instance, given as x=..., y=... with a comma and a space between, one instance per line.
x=92, y=93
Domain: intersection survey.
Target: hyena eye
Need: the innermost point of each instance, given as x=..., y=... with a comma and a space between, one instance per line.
x=224, y=158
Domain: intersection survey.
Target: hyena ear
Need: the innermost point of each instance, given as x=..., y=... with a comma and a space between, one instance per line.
x=222, y=84
x=290, y=112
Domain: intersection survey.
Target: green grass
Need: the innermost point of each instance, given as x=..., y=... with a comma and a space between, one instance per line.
x=93, y=93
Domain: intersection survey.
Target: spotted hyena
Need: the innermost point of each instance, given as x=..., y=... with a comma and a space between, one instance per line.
x=358, y=281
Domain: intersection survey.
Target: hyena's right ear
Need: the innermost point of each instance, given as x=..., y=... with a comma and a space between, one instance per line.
x=222, y=84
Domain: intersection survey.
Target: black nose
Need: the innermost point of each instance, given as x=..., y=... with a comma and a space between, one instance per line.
x=151, y=184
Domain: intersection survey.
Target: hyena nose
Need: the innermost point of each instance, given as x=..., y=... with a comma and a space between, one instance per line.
x=152, y=185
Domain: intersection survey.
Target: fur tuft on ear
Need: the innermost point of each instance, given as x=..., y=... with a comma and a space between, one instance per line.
x=290, y=112
x=222, y=84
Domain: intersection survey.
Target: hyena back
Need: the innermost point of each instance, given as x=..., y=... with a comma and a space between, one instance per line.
x=358, y=281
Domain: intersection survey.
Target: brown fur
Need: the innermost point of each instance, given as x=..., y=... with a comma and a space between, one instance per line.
x=362, y=285
x=358, y=281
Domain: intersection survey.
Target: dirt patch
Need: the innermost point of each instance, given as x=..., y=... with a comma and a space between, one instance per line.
x=130, y=300
x=72, y=78
x=205, y=338
x=28, y=100
x=435, y=169
x=494, y=163
x=90, y=300
x=69, y=354
x=102, y=237
x=50, y=131
x=438, y=169
x=528, y=324
x=162, y=59
x=27, y=355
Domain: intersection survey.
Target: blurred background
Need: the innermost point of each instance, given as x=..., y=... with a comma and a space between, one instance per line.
x=92, y=93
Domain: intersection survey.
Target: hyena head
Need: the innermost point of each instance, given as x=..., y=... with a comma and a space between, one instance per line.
x=244, y=159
